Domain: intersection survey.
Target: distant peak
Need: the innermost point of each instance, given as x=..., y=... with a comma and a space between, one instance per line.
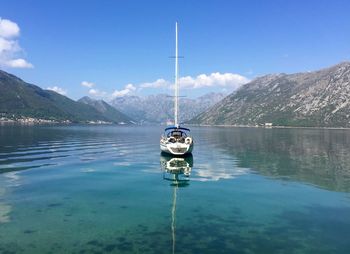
x=345, y=63
x=342, y=65
x=86, y=99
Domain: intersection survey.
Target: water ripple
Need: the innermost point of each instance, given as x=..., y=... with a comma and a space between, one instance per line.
x=45, y=153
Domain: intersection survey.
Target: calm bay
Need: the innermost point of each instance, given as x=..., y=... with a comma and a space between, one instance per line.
x=107, y=189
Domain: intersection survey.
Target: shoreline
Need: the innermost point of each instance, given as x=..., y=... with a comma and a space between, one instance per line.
x=41, y=121
x=101, y=123
x=272, y=127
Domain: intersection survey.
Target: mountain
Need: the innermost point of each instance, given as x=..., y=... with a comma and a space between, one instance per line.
x=106, y=110
x=160, y=108
x=20, y=99
x=320, y=99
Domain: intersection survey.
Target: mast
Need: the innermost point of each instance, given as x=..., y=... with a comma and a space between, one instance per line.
x=176, y=99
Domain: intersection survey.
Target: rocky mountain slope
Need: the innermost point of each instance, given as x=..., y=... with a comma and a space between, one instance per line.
x=160, y=108
x=20, y=99
x=106, y=110
x=320, y=98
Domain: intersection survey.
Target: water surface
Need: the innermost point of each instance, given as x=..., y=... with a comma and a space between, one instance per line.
x=107, y=189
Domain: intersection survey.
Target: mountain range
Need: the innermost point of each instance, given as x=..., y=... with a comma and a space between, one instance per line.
x=319, y=99
x=316, y=99
x=20, y=99
x=106, y=110
x=160, y=108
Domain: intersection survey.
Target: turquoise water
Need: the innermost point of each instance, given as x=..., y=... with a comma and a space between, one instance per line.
x=107, y=189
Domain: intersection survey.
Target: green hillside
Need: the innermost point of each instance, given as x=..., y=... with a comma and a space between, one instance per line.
x=20, y=99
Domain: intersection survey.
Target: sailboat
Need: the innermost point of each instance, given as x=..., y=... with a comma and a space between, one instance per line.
x=176, y=140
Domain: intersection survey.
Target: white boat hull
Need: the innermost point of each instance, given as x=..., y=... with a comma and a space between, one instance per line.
x=176, y=148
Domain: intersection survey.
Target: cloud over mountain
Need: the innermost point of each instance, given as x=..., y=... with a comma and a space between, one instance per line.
x=97, y=93
x=224, y=81
x=129, y=88
x=8, y=29
x=58, y=90
x=10, y=51
x=87, y=84
x=215, y=79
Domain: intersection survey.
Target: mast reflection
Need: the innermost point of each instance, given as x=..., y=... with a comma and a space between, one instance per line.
x=177, y=170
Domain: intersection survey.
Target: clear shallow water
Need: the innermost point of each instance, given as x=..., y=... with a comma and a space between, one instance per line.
x=104, y=190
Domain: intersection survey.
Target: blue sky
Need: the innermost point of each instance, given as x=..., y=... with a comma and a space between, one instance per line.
x=123, y=47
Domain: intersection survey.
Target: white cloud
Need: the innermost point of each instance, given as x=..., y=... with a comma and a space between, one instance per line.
x=97, y=93
x=58, y=90
x=159, y=83
x=8, y=46
x=225, y=81
x=230, y=80
x=87, y=84
x=19, y=63
x=216, y=79
x=129, y=88
x=8, y=28
x=10, y=51
x=93, y=91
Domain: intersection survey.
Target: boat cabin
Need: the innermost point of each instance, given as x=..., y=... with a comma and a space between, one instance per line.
x=176, y=134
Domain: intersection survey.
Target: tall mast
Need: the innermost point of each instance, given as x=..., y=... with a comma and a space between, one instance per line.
x=176, y=79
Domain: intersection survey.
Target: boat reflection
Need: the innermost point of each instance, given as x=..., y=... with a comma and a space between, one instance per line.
x=177, y=170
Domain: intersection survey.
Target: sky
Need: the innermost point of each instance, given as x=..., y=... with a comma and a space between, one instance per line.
x=107, y=49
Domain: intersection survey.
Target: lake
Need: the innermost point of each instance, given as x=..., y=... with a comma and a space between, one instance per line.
x=107, y=189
